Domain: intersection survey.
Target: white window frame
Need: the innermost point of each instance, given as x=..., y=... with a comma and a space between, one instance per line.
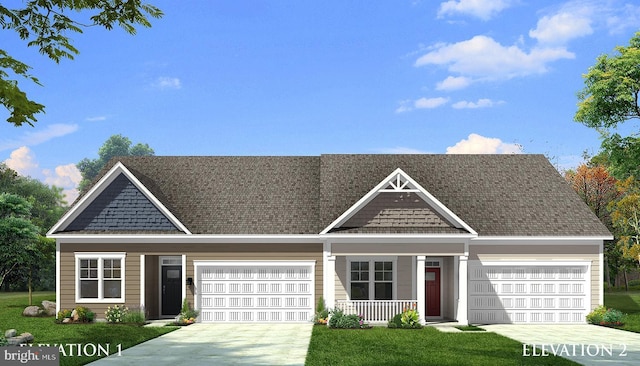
x=372, y=282
x=100, y=257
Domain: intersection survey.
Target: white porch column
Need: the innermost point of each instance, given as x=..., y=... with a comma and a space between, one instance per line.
x=143, y=285
x=422, y=304
x=462, y=312
x=328, y=277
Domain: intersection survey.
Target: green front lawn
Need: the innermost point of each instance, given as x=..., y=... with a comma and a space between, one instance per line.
x=629, y=303
x=45, y=331
x=427, y=346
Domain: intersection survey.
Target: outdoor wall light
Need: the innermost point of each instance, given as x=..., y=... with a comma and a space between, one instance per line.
x=189, y=281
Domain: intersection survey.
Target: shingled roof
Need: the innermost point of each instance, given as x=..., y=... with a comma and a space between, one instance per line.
x=496, y=195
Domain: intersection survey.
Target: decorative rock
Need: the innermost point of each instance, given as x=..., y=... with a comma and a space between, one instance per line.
x=32, y=311
x=66, y=320
x=74, y=315
x=10, y=333
x=27, y=337
x=49, y=307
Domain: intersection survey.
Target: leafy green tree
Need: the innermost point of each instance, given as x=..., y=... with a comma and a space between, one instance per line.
x=46, y=25
x=116, y=145
x=609, y=98
x=18, y=236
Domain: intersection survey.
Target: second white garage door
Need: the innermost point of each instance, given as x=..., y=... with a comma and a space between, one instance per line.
x=274, y=291
x=526, y=292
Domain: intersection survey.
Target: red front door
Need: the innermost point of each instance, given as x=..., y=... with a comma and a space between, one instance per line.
x=432, y=291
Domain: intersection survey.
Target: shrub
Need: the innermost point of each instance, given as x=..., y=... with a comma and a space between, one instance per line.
x=322, y=313
x=396, y=321
x=187, y=315
x=83, y=314
x=116, y=314
x=603, y=316
x=135, y=316
x=62, y=314
x=3, y=341
x=346, y=321
x=408, y=319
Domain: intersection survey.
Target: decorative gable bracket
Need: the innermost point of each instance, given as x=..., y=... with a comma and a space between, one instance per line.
x=399, y=181
x=100, y=186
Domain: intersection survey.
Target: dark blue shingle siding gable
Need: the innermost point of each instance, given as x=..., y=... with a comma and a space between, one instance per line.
x=121, y=206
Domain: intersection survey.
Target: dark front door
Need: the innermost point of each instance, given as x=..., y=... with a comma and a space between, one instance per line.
x=432, y=291
x=171, y=290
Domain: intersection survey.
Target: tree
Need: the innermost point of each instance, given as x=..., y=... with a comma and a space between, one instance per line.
x=610, y=97
x=625, y=214
x=45, y=24
x=598, y=190
x=116, y=145
x=18, y=236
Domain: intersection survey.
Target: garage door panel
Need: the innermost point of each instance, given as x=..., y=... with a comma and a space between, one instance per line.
x=528, y=293
x=269, y=293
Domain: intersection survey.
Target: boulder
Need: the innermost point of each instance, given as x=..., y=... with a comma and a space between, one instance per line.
x=26, y=337
x=32, y=311
x=49, y=307
x=74, y=315
x=66, y=320
x=10, y=333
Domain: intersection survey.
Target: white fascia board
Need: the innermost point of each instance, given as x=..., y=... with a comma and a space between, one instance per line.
x=539, y=240
x=397, y=238
x=265, y=239
x=428, y=197
x=99, y=187
x=182, y=238
x=546, y=262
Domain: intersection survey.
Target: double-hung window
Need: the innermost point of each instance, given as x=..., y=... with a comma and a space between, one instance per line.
x=371, y=279
x=100, y=277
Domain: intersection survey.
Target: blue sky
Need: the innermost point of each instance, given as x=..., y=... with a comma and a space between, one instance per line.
x=312, y=77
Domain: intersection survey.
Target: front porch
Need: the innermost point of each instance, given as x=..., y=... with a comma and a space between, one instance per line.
x=379, y=286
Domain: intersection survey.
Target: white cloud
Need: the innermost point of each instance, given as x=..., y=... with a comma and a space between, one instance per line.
x=481, y=103
x=22, y=161
x=422, y=103
x=454, y=83
x=165, y=82
x=623, y=18
x=96, y=118
x=429, y=103
x=401, y=150
x=560, y=28
x=483, y=9
x=40, y=136
x=484, y=58
x=477, y=144
x=66, y=176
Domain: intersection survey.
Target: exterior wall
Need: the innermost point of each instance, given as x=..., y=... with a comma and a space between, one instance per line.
x=405, y=281
x=341, y=279
x=448, y=295
x=293, y=252
x=555, y=251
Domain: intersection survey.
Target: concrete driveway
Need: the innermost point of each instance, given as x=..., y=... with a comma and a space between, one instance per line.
x=220, y=345
x=583, y=343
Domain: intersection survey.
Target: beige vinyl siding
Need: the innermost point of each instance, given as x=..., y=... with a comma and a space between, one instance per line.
x=245, y=252
x=341, y=279
x=405, y=278
x=447, y=280
x=549, y=252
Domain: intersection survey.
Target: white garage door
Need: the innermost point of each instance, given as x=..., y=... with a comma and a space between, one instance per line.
x=276, y=291
x=548, y=292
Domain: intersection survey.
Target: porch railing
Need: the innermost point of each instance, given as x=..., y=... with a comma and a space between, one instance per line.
x=375, y=311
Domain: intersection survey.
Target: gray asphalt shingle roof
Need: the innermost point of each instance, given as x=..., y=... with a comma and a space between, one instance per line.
x=497, y=195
